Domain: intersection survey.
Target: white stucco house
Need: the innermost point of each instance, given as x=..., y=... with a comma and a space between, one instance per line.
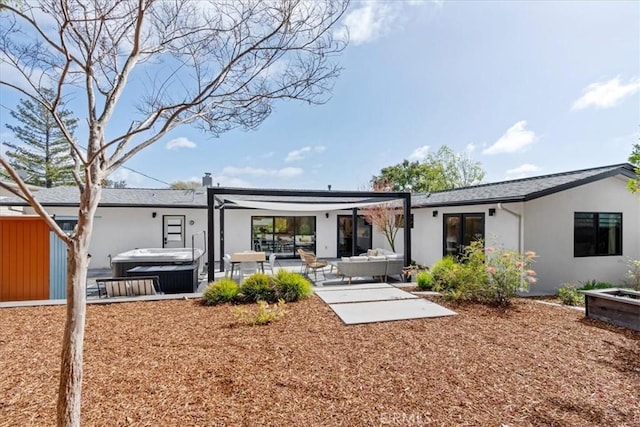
x=582, y=224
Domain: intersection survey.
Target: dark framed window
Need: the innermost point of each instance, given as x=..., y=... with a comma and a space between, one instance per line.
x=400, y=220
x=283, y=235
x=597, y=234
x=67, y=223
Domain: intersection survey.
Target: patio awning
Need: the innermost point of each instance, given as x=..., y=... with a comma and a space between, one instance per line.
x=300, y=206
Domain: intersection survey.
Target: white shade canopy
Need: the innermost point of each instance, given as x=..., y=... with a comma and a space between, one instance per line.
x=300, y=206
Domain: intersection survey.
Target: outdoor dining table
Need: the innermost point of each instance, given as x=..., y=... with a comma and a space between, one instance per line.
x=240, y=257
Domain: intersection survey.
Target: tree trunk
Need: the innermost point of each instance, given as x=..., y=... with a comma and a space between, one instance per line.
x=70, y=386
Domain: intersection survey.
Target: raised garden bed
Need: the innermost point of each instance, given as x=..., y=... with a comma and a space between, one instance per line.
x=618, y=306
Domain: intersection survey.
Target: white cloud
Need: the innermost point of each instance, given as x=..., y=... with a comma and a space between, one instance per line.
x=419, y=153
x=368, y=22
x=606, y=94
x=269, y=154
x=470, y=148
x=288, y=172
x=522, y=171
x=182, y=142
x=515, y=139
x=303, y=152
x=261, y=172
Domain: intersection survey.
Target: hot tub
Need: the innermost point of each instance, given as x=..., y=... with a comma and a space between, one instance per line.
x=125, y=261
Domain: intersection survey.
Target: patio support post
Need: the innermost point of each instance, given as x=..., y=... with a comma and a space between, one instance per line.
x=407, y=229
x=211, y=256
x=354, y=231
x=221, y=237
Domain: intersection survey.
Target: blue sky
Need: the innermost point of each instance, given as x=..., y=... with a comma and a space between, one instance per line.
x=527, y=88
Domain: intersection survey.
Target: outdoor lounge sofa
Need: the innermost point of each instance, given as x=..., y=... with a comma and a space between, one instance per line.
x=373, y=264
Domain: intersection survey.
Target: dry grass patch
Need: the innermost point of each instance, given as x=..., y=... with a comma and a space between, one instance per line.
x=180, y=363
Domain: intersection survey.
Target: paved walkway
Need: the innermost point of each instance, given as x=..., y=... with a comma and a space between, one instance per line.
x=377, y=302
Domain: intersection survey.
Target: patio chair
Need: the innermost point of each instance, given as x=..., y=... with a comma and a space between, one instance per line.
x=227, y=265
x=272, y=263
x=247, y=269
x=312, y=263
x=303, y=265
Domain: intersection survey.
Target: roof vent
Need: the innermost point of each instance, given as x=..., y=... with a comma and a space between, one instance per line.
x=207, y=181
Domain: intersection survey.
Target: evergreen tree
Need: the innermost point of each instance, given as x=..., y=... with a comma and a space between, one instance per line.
x=42, y=154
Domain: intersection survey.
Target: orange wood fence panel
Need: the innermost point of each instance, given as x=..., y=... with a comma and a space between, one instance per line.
x=24, y=258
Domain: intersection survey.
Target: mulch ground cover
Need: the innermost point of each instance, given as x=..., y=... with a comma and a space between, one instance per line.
x=180, y=363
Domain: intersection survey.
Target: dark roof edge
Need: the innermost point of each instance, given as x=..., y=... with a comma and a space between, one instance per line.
x=625, y=169
x=618, y=166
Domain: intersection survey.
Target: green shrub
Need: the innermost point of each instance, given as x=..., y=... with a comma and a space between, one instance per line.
x=258, y=287
x=633, y=274
x=220, y=291
x=444, y=274
x=263, y=315
x=292, y=286
x=594, y=284
x=424, y=280
x=569, y=295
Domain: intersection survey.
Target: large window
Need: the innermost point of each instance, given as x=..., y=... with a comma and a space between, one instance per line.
x=67, y=223
x=597, y=234
x=283, y=235
x=460, y=230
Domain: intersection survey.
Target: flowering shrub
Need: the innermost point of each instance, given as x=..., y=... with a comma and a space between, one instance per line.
x=508, y=272
x=484, y=275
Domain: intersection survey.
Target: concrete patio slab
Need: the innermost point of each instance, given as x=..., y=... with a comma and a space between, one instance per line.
x=360, y=295
x=351, y=287
x=384, y=311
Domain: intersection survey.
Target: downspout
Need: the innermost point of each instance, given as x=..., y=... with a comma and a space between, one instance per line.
x=520, y=226
x=520, y=234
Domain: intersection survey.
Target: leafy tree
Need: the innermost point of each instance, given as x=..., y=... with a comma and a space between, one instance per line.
x=107, y=183
x=43, y=154
x=215, y=65
x=457, y=168
x=634, y=158
x=442, y=170
x=185, y=185
x=409, y=176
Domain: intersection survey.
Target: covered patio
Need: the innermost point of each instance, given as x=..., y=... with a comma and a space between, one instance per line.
x=221, y=199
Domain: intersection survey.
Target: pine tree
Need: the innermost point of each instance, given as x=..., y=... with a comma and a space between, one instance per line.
x=42, y=153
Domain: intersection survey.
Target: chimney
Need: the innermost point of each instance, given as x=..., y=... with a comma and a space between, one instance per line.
x=207, y=181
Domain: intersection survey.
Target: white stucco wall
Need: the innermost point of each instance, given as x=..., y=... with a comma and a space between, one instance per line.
x=119, y=230
x=549, y=232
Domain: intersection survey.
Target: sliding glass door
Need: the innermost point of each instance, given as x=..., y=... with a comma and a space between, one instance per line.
x=345, y=235
x=460, y=230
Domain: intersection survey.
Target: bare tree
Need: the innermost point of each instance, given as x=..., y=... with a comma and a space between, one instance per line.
x=384, y=216
x=217, y=65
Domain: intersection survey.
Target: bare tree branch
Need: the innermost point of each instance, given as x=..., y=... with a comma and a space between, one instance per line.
x=28, y=197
